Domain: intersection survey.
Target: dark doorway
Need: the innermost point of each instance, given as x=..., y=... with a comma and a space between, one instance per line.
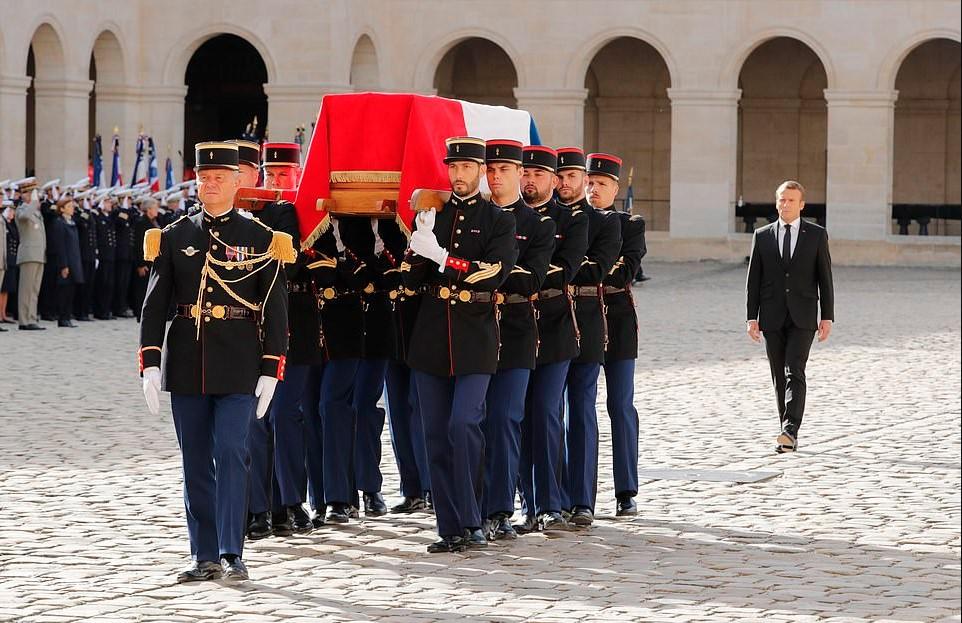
x=225, y=92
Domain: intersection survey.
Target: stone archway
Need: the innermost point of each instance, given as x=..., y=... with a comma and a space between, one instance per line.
x=365, y=70
x=45, y=106
x=477, y=70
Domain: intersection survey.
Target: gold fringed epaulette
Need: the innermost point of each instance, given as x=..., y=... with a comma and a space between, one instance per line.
x=282, y=248
x=152, y=244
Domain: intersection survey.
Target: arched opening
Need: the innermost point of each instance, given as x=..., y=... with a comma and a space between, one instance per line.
x=477, y=70
x=782, y=130
x=225, y=92
x=628, y=114
x=926, y=160
x=106, y=109
x=365, y=74
x=45, y=132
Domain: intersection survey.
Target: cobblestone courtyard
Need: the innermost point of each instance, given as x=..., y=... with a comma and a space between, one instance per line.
x=862, y=524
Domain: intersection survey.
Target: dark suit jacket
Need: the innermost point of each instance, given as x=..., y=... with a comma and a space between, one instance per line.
x=795, y=287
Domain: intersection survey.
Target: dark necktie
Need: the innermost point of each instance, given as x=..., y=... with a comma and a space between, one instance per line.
x=787, y=244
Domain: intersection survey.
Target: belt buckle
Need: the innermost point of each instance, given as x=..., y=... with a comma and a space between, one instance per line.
x=499, y=299
x=329, y=293
x=464, y=296
x=444, y=293
x=218, y=311
x=369, y=288
x=194, y=313
x=393, y=294
x=408, y=292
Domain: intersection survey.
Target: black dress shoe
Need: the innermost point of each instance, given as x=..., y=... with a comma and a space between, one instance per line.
x=200, y=570
x=474, y=538
x=234, y=568
x=447, y=544
x=352, y=512
x=260, y=526
x=338, y=513
x=498, y=528
x=626, y=506
x=529, y=524
x=374, y=505
x=66, y=324
x=282, y=523
x=410, y=505
x=32, y=327
x=552, y=523
x=318, y=519
x=300, y=520
x=581, y=516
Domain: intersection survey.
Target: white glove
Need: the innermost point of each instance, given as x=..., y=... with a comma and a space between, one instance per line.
x=55, y=193
x=126, y=203
x=378, y=243
x=426, y=245
x=152, y=389
x=264, y=392
x=425, y=220
x=34, y=196
x=337, y=238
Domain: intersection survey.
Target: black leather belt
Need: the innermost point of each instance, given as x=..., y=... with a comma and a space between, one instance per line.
x=218, y=312
x=300, y=288
x=465, y=296
x=583, y=291
x=550, y=293
x=614, y=290
x=329, y=294
x=401, y=293
x=514, y=299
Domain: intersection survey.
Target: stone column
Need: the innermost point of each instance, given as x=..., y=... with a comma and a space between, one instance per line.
x=558, y=113
x=161, y=113
x=860, y=154
x=292, y=105
x=13, y=123
x=704, y=146
x=62, y=110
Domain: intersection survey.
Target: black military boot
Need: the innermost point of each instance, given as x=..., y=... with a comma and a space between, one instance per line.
x=260, y=526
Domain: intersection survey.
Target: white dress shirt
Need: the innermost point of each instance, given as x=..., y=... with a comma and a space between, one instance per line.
x=794, y=233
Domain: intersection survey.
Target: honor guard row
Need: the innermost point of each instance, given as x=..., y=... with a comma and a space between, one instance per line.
x=475, y=329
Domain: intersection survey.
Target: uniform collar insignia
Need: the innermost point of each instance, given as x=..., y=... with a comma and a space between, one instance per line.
x=190, y=251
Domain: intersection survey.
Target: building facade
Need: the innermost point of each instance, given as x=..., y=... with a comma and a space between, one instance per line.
x=710, y=103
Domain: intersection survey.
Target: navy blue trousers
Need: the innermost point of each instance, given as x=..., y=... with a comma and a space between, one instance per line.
x=314, y=436
x=581, y=485
x=339, y=419
x=620, y=380
x=264, y=495
x=407, y=432
x=212, y=432
x=290, y=470
x=368, y=389
x=543, y=440
x=452, y=409
x=502, y=439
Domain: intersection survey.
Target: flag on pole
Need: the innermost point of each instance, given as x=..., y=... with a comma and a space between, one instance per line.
x=630, y=195
x=168, y=174
x=153, y=178
x=139, y=174
x=97, y=175
x=116, y=177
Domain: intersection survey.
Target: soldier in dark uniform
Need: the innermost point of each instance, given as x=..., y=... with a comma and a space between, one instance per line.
x=125, y=219
x=458, y=257
x=407, y=431
x=604, y=244
x=278, y=469
x=534, y=234
x=87, y=231
x=224, y=352
x=542, y=431
x=379, y=347
x=47, y=300
x=622, y=346
x=106, y=256
x=148, y=220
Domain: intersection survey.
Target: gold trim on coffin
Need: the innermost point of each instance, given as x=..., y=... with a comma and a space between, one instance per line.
x=365, y=177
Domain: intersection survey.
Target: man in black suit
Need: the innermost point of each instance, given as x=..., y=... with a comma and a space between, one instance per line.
x=789, y=272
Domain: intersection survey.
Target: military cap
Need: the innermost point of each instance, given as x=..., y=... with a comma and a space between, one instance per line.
x=248, y=152
x=571, y=158
x=281, y=154
x=541, y=157
x=26, y=184
x=604, y=164
x=51, y=184
x=464, y=148
x=216, y=155
x=503, y=150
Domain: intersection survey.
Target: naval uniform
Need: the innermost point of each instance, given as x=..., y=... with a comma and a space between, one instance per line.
x=87, y=230
x=124, y=223
x=230, y=329
x=519, y=351
x=621, y=354
x=454, y=349
x=106, y=257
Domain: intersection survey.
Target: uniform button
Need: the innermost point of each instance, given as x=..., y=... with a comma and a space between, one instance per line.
x=457, y=231
x=456, y=245
x=454, y=287
x=210, y=289
x=214, y=247
x=786, y=274
x=206, y=318
x=454, y=302
x=208, y=302
x=787, y=290
x=461, y=218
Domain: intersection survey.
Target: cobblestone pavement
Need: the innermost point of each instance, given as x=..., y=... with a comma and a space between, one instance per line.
x=862, y=524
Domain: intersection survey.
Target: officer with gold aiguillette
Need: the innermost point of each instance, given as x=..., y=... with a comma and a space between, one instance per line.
x=223, y=353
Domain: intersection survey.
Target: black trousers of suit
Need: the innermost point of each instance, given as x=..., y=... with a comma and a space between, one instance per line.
x=788, y=350
x=104, y=286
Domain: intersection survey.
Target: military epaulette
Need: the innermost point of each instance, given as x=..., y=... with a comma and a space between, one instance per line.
x=282, y=247
x=636, y=217
x=545, y=218
x=182, y=217
x=152, y=244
